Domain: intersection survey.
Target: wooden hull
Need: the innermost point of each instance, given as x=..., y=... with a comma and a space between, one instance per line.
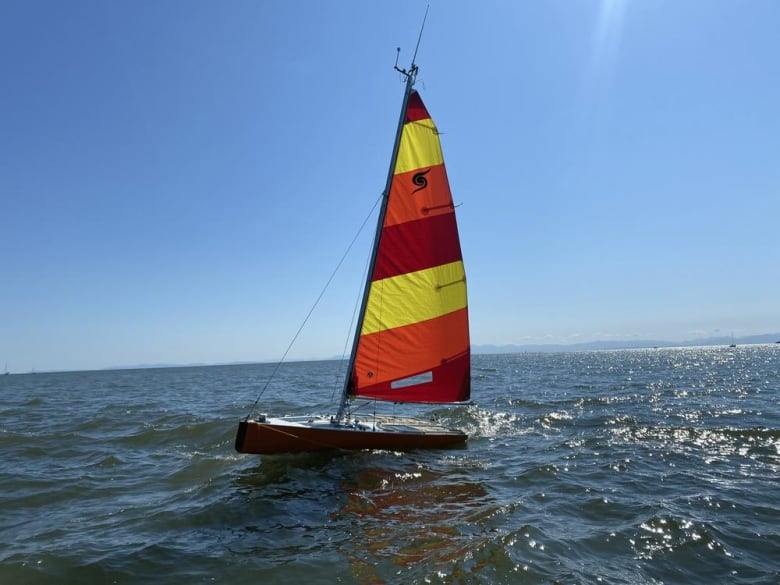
x=295, y=435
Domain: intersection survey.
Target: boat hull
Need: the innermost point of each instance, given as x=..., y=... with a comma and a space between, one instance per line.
x=269, y=436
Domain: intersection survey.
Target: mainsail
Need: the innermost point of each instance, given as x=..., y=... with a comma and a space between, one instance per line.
x=413, y=343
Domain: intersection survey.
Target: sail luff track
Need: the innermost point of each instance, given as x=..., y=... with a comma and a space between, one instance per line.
x=349, y=380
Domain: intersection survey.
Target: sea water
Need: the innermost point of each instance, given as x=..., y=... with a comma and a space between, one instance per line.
x=641, y=466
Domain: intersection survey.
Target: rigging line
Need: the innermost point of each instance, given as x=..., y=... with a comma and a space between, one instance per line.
x=314, y=306
x=357, y=407
x=419, y=38
x=352, y=321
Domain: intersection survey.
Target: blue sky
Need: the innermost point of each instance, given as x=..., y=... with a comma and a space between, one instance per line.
x=178, y=179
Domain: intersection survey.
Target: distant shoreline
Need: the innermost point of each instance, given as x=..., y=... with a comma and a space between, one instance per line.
x=766, y=338
x=482, y=349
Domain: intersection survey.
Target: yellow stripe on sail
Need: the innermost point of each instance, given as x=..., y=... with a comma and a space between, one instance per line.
x=414, y=297
x=420, y=147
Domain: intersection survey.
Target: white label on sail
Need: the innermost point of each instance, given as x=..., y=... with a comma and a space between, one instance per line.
x=425, y=378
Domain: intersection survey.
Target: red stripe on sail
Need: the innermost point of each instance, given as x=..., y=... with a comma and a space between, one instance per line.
x=416, y=245
x=415, y=109
x=451, y=383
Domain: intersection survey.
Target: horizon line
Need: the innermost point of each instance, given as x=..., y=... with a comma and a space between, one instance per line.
x=478, y=349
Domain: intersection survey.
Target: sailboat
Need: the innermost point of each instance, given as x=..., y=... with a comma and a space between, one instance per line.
x=411, y=342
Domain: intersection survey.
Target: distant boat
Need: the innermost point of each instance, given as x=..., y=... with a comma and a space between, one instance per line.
x=411, y=342
x=732, y=344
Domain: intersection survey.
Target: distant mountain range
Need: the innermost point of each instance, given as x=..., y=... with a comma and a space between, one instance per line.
x=625, y=344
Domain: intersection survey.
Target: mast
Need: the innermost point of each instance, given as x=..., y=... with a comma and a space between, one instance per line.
x=411, y=76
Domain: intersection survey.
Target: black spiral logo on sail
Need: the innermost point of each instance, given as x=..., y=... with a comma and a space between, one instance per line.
x=420, y=180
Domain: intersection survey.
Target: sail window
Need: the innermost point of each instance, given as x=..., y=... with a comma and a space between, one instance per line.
x=424, y=378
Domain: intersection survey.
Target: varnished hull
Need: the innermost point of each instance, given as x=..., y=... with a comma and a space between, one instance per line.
x=276, y=436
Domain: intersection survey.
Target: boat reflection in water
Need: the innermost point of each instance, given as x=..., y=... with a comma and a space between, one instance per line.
x=405, y=515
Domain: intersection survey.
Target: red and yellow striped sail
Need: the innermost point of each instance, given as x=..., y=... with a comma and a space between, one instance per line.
x=414, y=341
